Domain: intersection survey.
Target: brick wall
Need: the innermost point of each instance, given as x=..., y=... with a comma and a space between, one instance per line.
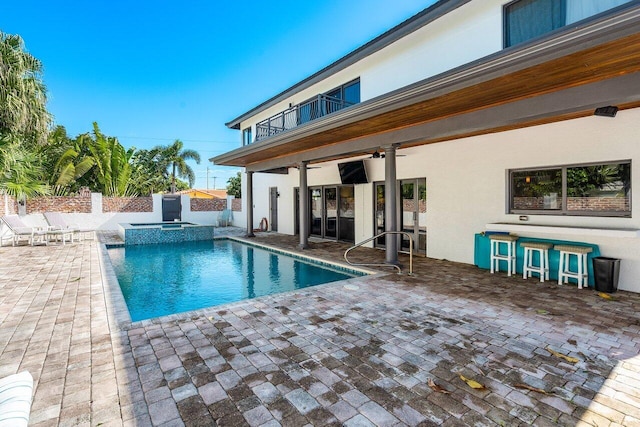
x=204, y=205
x=127, y=204
x=64, y=204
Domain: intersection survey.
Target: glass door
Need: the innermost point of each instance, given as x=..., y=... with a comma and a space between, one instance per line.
x=413, y=205
x=412, y=214
x=315, y=196
x=346, y=209
x=379, y=219
x=331, y=212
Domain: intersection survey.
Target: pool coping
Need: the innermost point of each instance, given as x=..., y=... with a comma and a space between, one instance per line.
x=118, y=311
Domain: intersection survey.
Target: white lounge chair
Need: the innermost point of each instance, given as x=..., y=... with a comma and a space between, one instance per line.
x=57, y=222
x=19, y=230
x=15, y=399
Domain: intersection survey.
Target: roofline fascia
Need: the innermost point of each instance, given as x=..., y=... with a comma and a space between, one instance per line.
x=387, y=38
x=571, y=40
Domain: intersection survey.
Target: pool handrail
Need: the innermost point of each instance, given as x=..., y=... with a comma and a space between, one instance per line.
x=383, y=264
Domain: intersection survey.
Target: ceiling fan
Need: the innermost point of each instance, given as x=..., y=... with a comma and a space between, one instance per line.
x=378, y=155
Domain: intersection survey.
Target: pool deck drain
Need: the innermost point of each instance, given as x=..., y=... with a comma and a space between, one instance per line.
x=324, y=356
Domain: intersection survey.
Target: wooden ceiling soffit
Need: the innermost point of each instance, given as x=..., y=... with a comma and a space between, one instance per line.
x=604, y=61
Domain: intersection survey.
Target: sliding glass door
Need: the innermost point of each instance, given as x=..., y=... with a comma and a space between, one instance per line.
x=412, y=214
x=331, y=212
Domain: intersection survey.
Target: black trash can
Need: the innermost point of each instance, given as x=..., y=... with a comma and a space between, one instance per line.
x=606, y=272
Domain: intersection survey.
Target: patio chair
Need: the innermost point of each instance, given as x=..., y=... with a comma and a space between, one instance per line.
x=19, y=230
x=15, y=399
x=225, y=218
x=57, y=222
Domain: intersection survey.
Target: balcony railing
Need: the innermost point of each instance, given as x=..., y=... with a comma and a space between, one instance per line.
x=299, y=114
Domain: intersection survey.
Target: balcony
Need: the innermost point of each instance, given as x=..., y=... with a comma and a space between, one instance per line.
x=299, y=114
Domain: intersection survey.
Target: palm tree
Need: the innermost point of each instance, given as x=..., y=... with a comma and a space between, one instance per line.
x=113, y=169
x=19, y=171
x=175, y=157
x=23, y=95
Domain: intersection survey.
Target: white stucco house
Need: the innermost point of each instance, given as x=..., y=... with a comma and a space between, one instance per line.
x=473, y=115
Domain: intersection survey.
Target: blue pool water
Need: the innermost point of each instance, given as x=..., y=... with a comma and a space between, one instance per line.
x=157, y=280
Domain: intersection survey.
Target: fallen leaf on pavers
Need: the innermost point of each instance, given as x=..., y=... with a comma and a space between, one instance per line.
x=436, y=387
x=563, y=356
x=545, y=312
x=74, y=280
x=572, y=342
x=471, y=383
x=528, y=387
x=606, y=296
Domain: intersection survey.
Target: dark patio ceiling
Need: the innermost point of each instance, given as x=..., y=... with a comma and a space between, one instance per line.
x=562, y=77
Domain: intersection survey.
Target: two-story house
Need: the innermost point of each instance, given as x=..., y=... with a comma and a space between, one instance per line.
x=519, y=116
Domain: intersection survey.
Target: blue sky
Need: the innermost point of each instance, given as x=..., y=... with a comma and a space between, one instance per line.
x=152, y=72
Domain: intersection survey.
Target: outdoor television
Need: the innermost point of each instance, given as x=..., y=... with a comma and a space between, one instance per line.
x=353, y=172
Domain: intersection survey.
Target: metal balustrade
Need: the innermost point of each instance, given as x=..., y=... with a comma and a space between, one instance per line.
x=299, y=114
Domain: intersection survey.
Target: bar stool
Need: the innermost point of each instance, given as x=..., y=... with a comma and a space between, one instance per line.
x=497, y=256
x=564, y=268
x=543, y=255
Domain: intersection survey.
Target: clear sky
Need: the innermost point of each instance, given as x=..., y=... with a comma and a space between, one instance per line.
x=150, y=72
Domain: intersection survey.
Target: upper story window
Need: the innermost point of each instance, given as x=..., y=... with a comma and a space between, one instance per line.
x=527, y=19
x=246, y=136
x=601, y=189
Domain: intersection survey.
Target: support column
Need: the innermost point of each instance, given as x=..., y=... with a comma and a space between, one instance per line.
x=304, y=207
x=390, y=204
x=249, y=197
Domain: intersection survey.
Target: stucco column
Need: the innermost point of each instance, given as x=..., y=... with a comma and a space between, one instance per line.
x=390, y=206
x=304, y=206
x=249, y=197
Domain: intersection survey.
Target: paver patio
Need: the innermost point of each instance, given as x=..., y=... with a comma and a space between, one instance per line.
x=329, y=355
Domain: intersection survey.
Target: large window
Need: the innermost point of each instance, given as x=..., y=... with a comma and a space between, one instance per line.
x=527, y=19
x=602, y=189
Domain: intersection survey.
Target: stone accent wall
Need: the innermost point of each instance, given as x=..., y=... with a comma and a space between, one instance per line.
x=64, y=204
x=127, y=204
x=236, y=205
x=204, y=205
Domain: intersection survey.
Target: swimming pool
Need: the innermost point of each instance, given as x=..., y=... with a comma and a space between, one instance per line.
x=158, y=280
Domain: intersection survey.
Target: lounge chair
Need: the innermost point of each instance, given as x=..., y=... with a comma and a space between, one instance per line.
x=15, y=399
x=57, y=222
x=19, y=230
x=225, y=218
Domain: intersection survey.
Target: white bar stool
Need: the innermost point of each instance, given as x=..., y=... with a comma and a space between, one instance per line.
x=564, y=269
x=527, y=264
x=497, y=256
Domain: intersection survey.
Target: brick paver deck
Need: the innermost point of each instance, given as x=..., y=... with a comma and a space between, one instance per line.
x=330, y=355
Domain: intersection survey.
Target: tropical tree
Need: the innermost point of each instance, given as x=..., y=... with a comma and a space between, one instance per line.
x=66, y=161
x=23, y=95
x=234, y=186
x=175, y=157
x=112, y=167
x=20, y=171
x=24, y=119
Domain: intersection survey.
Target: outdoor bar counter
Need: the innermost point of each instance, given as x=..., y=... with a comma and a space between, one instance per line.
x=482, y=253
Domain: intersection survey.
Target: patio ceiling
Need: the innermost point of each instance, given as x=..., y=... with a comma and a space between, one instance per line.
x=565, y=76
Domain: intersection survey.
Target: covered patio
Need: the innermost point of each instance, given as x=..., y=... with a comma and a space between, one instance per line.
x=329, y=355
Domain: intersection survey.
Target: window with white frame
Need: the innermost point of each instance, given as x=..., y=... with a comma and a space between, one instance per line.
x=527, y=19
x=598, y=189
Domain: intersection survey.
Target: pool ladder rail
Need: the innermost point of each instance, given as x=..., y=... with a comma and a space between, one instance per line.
x=357, y=245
